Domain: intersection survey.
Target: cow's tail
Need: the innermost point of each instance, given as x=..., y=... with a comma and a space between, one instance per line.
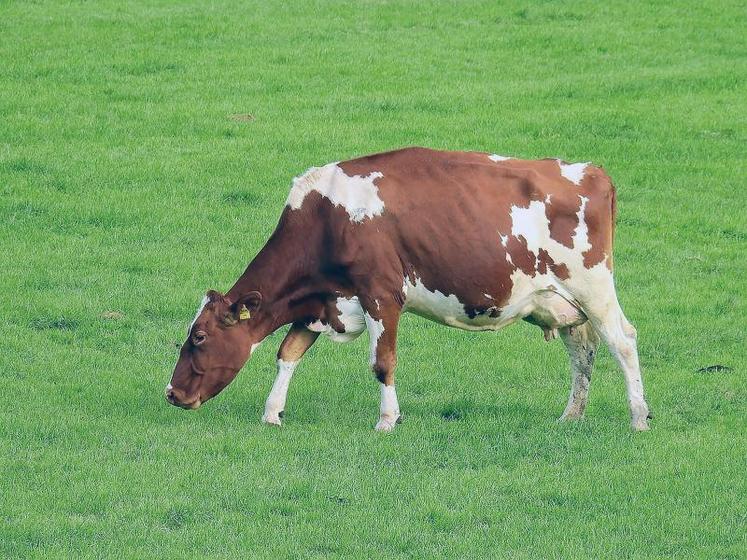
x=613, y=222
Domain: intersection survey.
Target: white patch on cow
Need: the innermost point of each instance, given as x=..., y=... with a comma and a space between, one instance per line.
x=581, y=235
x=350, y=315
x=317, y=326
x=358, y=195
x=205, y=301
x=574, y=172
x=375, y=330
x=254, y=347
x=275, y=403
x=525, y=222
x=489, y=296
x=496, y=157
x=532, y=224
x=433, y=305
x=445, y=309
x=388, y=409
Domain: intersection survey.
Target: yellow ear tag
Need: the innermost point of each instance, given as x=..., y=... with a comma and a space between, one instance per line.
x=244, y=313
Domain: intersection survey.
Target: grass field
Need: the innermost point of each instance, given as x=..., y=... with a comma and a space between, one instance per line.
x=146, y=151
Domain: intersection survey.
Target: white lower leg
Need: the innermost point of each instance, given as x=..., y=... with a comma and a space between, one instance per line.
x=276, y=400
x=389, y=409
x=622, y=343
x=638, y=408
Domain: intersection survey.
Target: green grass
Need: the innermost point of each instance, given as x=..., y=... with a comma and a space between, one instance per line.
x=126, y=186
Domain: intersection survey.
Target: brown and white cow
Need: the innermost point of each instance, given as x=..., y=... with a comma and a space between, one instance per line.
x=467, y=239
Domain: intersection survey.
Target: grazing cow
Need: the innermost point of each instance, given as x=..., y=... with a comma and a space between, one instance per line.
x=470, y=240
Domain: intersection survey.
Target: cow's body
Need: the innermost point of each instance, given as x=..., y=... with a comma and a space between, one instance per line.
x=471, y=240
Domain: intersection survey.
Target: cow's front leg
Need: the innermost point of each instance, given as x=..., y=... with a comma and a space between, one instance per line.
x=294, y=345
x=381, y=323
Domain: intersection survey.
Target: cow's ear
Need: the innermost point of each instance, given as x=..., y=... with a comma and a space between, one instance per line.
x=246, y=306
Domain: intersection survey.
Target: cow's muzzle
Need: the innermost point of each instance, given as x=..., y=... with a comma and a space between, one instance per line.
x=175, y=397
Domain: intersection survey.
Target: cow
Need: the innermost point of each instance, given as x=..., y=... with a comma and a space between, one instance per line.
x=471, y=240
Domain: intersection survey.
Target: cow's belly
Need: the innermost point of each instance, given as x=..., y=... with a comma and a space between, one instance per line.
x=448, y=309
x=543, y=303
x=545, y=306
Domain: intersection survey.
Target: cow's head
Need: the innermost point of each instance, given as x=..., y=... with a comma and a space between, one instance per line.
x=219, y=342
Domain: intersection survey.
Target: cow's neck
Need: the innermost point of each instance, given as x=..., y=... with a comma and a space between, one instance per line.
x=286, y=273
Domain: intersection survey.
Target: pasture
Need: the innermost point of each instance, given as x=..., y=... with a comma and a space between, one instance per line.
x=146, y=151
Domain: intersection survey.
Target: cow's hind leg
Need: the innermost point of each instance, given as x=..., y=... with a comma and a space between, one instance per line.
x=382, y=319
x=581, y=343
x=620, y=336
x=294, y=345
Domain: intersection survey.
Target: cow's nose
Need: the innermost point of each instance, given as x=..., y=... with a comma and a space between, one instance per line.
x=170, y=393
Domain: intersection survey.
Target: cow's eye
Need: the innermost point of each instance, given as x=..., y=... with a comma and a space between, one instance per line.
x=229, y=320
x=199, y=337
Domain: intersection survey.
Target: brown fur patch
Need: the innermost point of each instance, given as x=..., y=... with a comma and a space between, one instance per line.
x=563, y=219
x=545, y=262
x=599, y=215
x=521, y=256
x=560, y=270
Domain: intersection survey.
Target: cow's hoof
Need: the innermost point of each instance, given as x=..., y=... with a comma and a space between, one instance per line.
x=639, y=416
x=387, y=424
x=272, y=418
